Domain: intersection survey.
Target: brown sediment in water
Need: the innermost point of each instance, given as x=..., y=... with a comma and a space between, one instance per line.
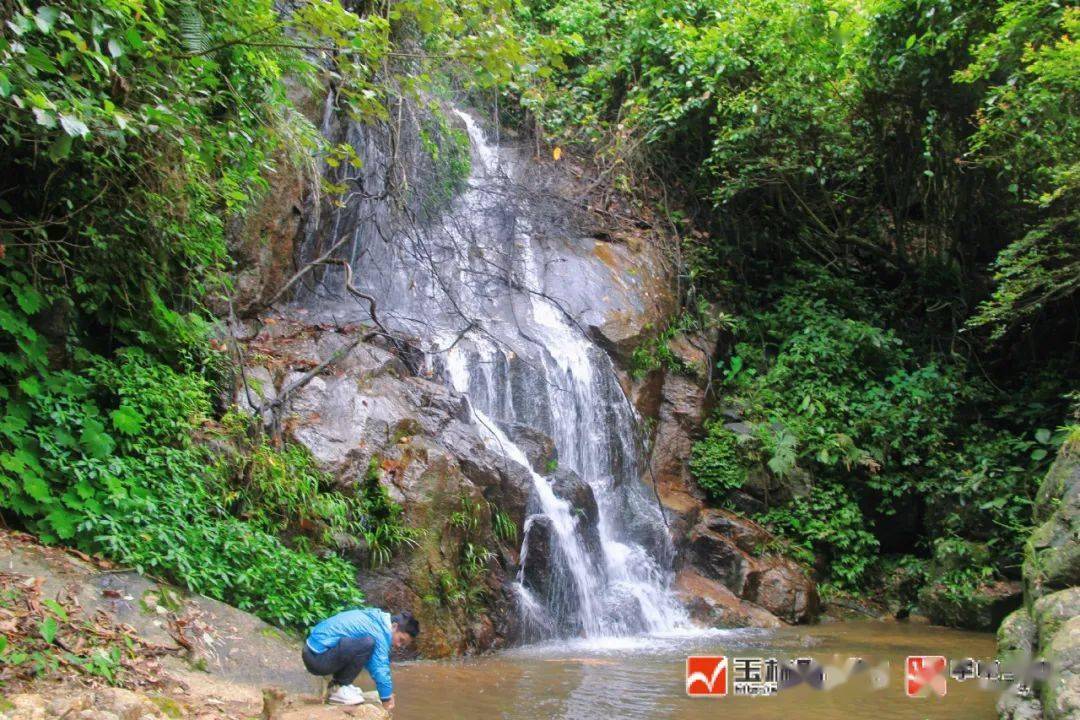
x=645, y=678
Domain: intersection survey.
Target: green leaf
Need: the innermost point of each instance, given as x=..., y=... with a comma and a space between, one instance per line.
x=61, y=148
x=63, y=523
x=96, y=442
x=29, y=299
x=910, y=41
x=56, y=607
x=30, y=386
x=73, y=126
x=1038, y=454
x=39, y=60
x=127, y=420
x=46, y=17
x=1042, y=435
x=48, y=628
x=36, y=487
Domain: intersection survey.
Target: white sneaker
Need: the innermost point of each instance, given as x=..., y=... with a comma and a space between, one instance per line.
x=346, y=695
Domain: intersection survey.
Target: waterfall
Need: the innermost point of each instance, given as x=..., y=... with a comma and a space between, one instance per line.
x=472, y=286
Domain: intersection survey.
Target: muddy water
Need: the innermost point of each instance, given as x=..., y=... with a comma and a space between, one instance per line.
x=643, y=677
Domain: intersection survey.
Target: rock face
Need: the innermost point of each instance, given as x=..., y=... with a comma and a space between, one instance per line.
x=432, y=460
x=1048, y=625
x=571, y=488
x=678, y=404
x=731, y=550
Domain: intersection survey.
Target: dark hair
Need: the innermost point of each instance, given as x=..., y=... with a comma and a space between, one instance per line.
x=406, y=623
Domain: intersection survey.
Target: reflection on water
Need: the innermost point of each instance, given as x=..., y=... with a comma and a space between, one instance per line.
x=643, y=677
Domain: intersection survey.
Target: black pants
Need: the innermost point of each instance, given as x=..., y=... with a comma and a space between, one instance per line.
x=344, y=661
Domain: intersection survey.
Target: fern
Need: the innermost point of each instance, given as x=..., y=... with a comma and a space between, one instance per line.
x=193, y=29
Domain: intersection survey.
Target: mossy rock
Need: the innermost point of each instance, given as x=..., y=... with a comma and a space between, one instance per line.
x=1052, y=553
x=1050, y=613
x=981, y=609
x=1017, y=637
x=1061, y=692
x=169, y=707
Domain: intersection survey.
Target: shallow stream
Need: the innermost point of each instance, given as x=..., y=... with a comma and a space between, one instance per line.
x=644, y=677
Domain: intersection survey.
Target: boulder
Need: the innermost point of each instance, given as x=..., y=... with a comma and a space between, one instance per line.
x=1017, y=636
x=1052, y=553
x=719, y=558
x=1061, y=692
x=1048, y=626
x=731, y=550
x=983, y=609
x=1051, y=612
x=783, y=588
x=536, y=556
x=713, y=604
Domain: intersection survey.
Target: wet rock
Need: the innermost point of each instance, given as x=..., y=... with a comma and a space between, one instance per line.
x=718, y=557
x=729, y=549
x=783, y=588
x=538, y=447
x=713, y=604
x=537, y=561
x=748, y=535
x=571, y=488
x=983, y=609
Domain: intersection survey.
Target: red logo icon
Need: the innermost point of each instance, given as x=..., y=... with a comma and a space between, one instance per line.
x=706, y=675
x=925, y=674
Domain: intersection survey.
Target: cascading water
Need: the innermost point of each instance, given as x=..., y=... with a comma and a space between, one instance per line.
x=472, y=286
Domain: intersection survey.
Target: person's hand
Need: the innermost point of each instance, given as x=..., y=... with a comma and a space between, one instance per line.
x=388, y=703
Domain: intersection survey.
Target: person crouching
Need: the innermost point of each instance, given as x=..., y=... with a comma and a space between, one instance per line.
x=343, y=645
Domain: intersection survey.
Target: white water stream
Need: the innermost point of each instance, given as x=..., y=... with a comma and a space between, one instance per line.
x=474, y=281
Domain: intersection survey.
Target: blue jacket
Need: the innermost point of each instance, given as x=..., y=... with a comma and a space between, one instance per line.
x=362, y=622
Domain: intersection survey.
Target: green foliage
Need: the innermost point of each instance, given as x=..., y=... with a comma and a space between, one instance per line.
x=381, y=524
x=831, y=523
x=465, y=586
x=880, y=430
x=719, y=462
x=1029, y=133
x=450, y=153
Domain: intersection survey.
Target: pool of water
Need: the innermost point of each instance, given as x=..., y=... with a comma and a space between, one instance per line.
x=644, y=677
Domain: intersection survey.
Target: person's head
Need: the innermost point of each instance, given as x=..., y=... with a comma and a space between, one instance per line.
x=404, y=628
